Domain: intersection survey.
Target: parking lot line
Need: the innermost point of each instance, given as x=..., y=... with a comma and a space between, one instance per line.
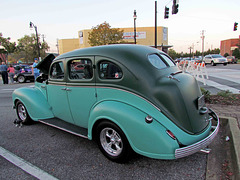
x=25, y=166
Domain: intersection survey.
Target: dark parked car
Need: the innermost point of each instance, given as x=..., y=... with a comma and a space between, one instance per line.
x=125, y=97
x=231, y=59
x=23, y=73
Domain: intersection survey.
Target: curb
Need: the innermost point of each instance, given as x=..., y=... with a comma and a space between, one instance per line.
x=233, y=152
x=235, y=133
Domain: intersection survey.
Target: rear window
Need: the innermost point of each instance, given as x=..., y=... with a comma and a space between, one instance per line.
x=216, y=56
x=160, y=62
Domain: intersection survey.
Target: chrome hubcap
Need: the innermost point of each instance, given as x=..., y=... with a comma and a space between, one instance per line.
x=111, y=141
x=22, y=112
x=21, y=79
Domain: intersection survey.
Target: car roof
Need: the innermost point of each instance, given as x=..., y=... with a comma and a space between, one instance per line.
x=122, y=52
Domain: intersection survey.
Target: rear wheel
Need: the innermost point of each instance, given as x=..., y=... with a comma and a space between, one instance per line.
x=21, y=79
x=22, y=113
x=113, y=142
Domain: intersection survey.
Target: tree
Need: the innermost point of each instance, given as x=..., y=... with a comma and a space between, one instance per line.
x=226, y=54
x=173, y=54
x=103, y=34
x=28, y=48
x=236, y=53
x=10, y=47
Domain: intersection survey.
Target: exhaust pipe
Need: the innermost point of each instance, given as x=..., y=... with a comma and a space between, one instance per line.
x=206, y=150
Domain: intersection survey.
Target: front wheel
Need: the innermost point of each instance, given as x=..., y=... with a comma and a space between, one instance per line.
x=21, y=79
x=113, y=143
x=213, y=64
x=22, y=113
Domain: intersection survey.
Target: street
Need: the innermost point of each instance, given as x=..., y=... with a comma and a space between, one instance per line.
x=61, y=155
x=222, y=78
x=66, y=156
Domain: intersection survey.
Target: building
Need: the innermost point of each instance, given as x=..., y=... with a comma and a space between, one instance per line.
x=228, y=46
x=144, y=36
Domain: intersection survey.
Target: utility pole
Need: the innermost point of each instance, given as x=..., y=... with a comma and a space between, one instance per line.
x=134, y=19
x=190, y=50
x=57, y=47
x=202, y=37
x=155, y=24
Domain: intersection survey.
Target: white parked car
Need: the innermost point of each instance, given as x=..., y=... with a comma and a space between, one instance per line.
x=214, y=59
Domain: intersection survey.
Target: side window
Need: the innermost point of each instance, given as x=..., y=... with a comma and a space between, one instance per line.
x=109, y=70
x=80, y=69
x=57, y=71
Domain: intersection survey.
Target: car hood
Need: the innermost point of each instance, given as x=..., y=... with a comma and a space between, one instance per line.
x=44, y=65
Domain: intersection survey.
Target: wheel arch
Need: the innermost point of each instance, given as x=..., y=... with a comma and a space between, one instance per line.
x=34, y=101
x=150, y=140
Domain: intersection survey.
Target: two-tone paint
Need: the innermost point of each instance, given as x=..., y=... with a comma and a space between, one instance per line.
x=168, y=97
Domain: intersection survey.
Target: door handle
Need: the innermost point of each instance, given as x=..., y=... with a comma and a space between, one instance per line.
x=42, y=86
x=64, y=89
x=67, y=89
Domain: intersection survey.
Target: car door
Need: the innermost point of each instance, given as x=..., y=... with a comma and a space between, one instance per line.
x=81, y=88
x=57, y=92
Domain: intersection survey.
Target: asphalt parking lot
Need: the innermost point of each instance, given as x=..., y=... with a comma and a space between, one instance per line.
x=66, y=156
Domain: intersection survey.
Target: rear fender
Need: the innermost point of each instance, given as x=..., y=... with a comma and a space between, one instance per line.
x=150, y=140
x=35, y=102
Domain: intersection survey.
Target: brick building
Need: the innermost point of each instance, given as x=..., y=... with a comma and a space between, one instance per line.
x=229, y=45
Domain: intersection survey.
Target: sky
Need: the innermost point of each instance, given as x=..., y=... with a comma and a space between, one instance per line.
x=62, y=19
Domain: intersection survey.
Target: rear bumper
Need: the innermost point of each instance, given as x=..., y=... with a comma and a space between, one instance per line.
x=191, y=149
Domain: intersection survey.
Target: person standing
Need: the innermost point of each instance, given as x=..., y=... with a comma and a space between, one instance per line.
x=35, y=71
x=11, y=72
x=3, y=70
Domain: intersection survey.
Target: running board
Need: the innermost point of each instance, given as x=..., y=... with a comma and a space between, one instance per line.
x=65, y=126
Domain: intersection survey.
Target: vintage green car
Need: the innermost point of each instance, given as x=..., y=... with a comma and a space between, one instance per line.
x=129, y=98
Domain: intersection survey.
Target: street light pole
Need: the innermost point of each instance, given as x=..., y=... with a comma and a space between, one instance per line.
x=35, y=27
x=134, y=18
x=202, y=36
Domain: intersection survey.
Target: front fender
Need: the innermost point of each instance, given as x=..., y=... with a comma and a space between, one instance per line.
x=35, y=102
x=150, y=140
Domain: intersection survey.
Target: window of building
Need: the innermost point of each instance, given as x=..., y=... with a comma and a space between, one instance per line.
x=109, y=70
x=80, y=69
x=57, y=71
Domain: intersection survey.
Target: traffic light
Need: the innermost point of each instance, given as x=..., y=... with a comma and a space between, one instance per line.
x=175, y=7
x=235, y=26
x=166, y=12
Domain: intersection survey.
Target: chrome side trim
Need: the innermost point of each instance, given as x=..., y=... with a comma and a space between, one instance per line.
x=63, y=129
x=191, y=149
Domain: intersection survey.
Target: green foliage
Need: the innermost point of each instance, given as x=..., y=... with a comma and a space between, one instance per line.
x=28, y=48
x=226, y=93
x=10, y=47
x=226, y=54
x=206, y=93
x=103, y=34
x=173, y=54
x=236, y=53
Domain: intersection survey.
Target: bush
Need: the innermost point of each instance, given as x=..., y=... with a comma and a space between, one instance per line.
x=206, y=93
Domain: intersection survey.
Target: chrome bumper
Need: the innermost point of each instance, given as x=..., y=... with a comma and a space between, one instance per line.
x=191, y=149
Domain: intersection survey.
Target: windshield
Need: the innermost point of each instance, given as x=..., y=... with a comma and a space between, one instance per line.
x=216, y=56
x=160, y=62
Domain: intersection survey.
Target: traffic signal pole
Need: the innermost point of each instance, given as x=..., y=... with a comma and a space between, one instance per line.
x=155, y=24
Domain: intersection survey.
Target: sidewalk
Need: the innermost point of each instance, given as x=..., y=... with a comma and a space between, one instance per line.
x=227, y=111
x=232, y=115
